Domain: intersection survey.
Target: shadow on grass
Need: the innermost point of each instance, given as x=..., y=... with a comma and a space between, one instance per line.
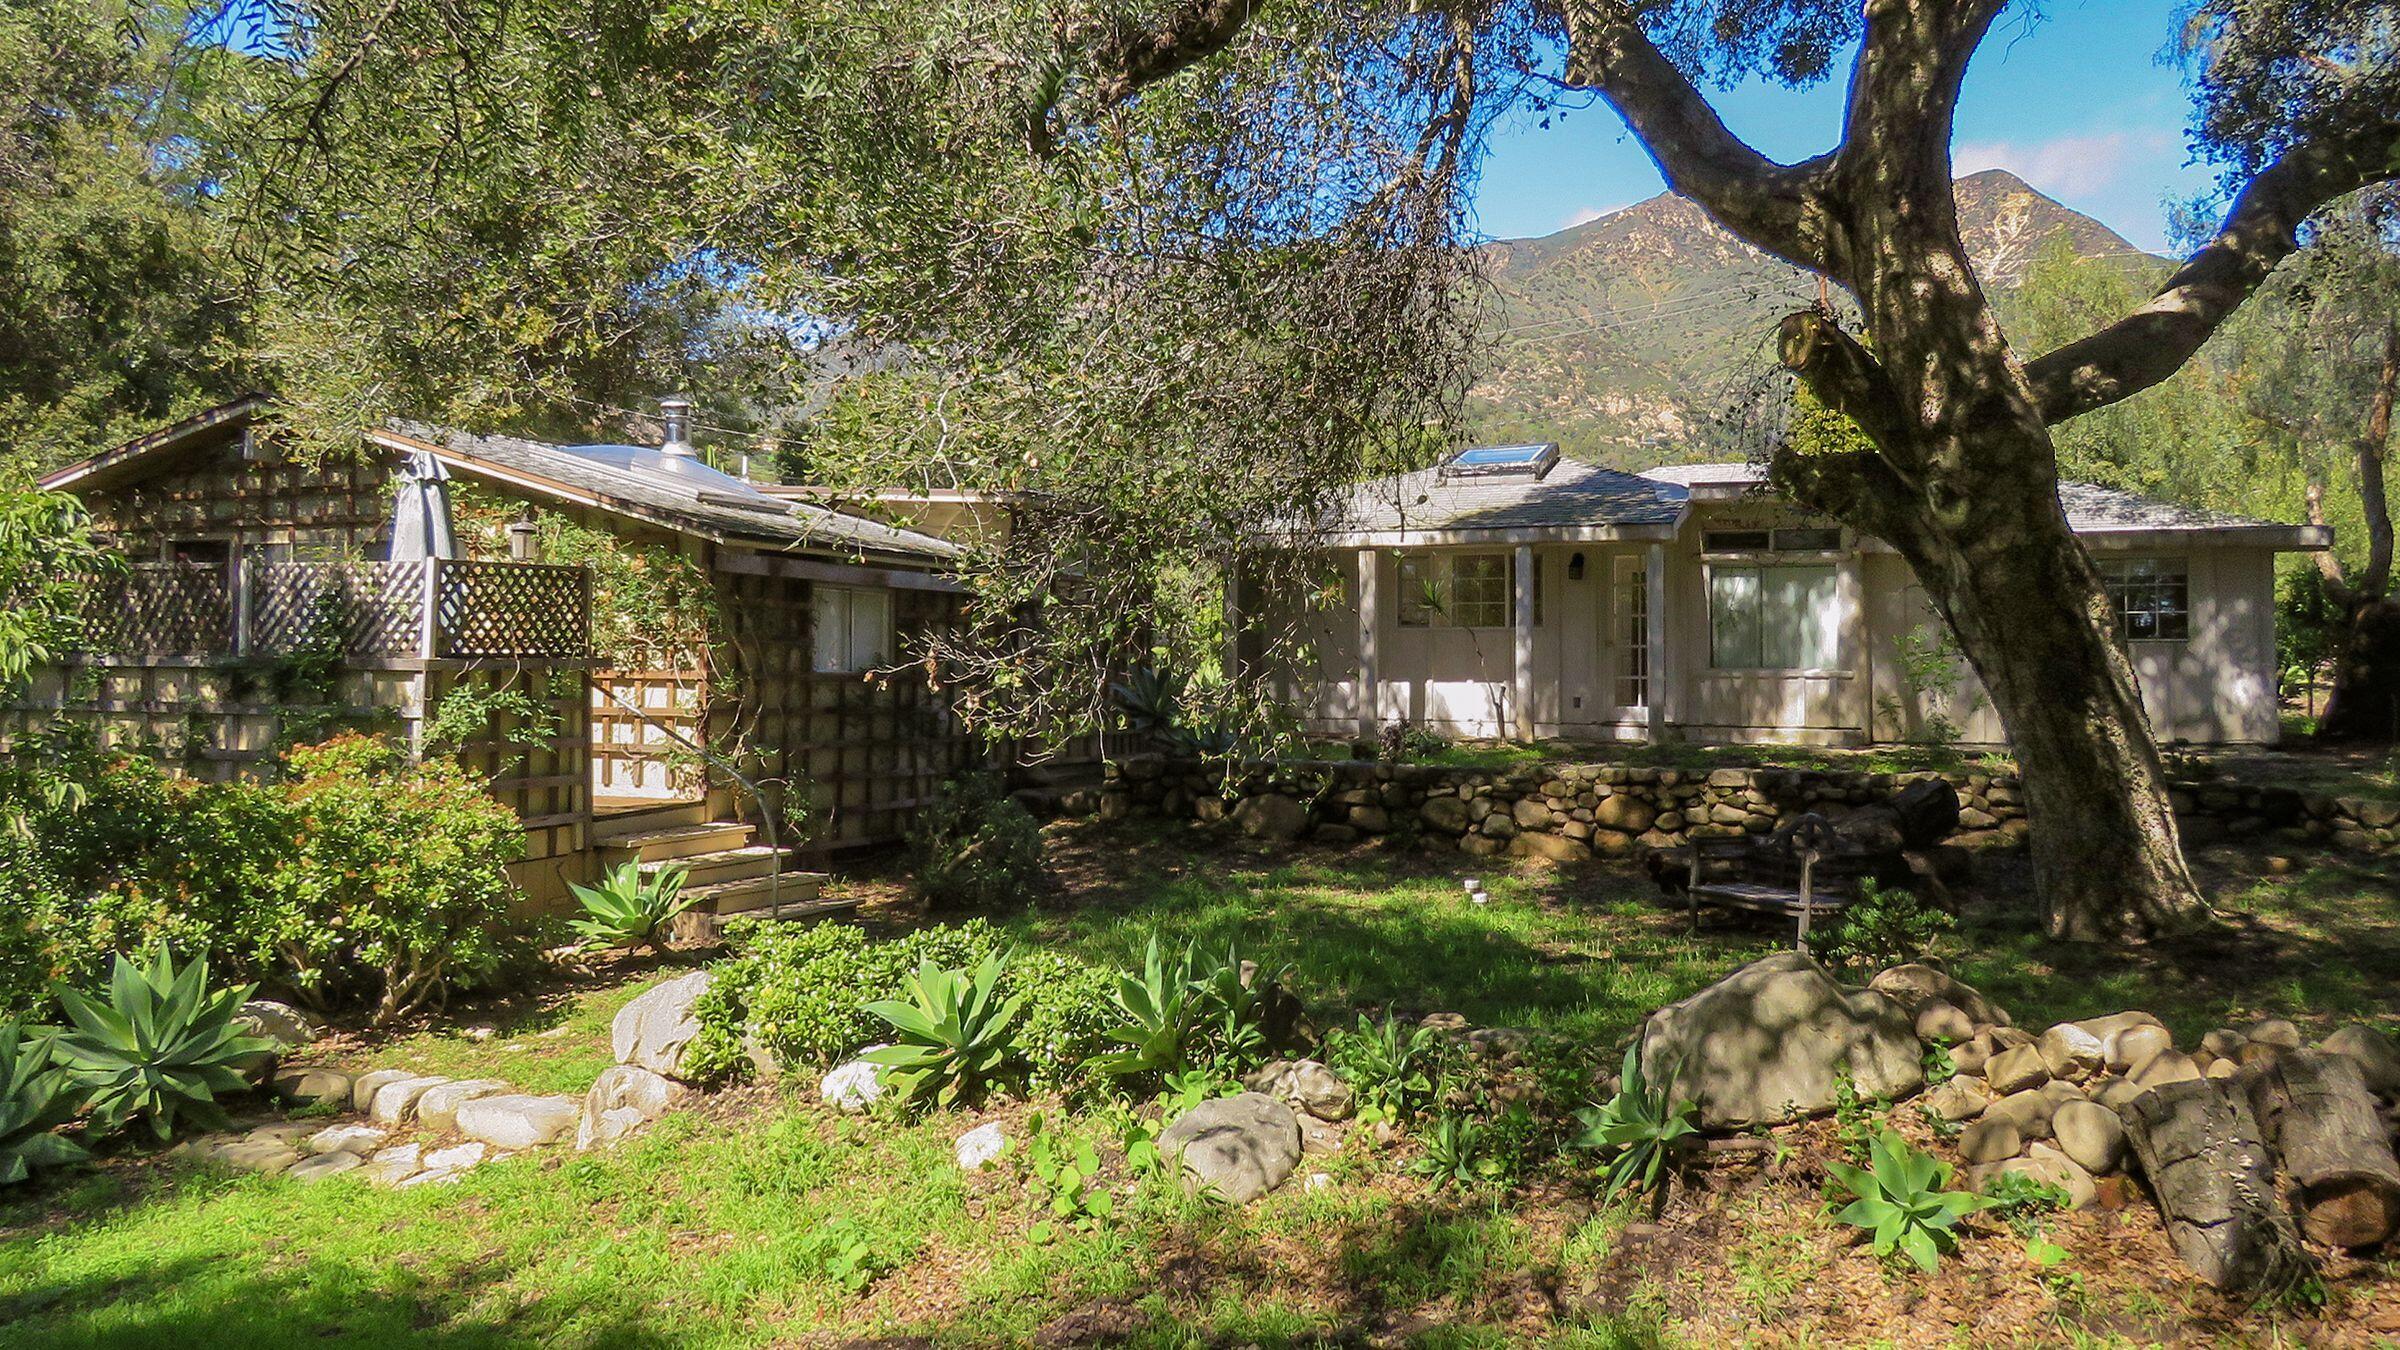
x=197, y=1302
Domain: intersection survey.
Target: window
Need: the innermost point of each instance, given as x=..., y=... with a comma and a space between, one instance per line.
x=1633, y=633
x=853, y=628
x=2152, y=597
x=1772, y=618
x=1462, y=590
x=1809, y=540
x=210, y=553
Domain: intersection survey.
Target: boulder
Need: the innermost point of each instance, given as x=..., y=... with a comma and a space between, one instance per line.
x=2172, y=1066
x=323, y=1165
x=457, y=1158
x=2064, y=1172
x=2115, y=1093
x=980, y=1147
x=1972, y=1055
x=2017, y=1070
x=391, y=1166
x=2134, y=1047
x=366, y=1085
x=1940, y=1020
x=1916, y=983
x=2030, y=1111
x=1549, y=848
x=1624, y=813
x=359, y=1139
x=1766, y=1043
x=655, y=1029
x=1238, y=1148
x=1271, y=816
x=1445, y=814
x=1306, y=1084
x=2223, y=1043
x=2275, y=1031
x=1988, y=1141
x=854, y=1086
x=622, y=1098
x=2092, y=1135
x=2072, y=1053
x=2375, y=1055
x=517, y=1120
x=438, y=1108
x=281, y=1023
x=395, y=1100
x=314, y=1086
x=1958, y=1099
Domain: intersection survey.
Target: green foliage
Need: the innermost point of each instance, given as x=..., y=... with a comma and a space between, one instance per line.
x=628, y=909
x=48, y=561
x=36, y=1098
x=974, y=846
x=1064, y=1019
x=1636, y=1132
x=1392, y=1068
x=1064, y=1169
x=845, y=1253
x=468, y=710
x=397, y=887
x=1882, y=927
x=2023, y=1199
x=160, y=1044
x=1150, y=699
x=1900, y=1198
x=652, y=608
x=1183, y=1012
x=1459, y=1151
x=954, y=1035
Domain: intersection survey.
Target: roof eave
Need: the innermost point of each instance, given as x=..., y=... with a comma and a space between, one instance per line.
x=82, y=472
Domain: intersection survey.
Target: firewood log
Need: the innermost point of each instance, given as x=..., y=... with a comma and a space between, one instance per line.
x=2210, y=1169
x=2320, y=1119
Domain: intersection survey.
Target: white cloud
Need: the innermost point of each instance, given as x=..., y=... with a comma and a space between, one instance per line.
x=2065, y=165
x=1591, y=213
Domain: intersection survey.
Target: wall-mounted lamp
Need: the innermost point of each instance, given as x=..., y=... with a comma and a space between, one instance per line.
x=524, y=539
x=1575, y=568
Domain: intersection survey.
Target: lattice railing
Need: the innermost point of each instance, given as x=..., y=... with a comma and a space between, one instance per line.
x=509, y=609
x=354, y=610
x=160, y=609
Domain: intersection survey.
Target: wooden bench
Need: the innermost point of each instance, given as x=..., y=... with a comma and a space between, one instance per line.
x=1790, y=872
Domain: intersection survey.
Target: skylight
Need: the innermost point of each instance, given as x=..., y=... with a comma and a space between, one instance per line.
x=1501, y=461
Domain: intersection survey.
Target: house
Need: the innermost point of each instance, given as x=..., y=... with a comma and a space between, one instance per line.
x=786, y=712
x=1507, y=592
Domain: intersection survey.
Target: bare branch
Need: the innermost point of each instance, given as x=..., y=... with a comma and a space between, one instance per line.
x=1774, y=206
x=2263, y=228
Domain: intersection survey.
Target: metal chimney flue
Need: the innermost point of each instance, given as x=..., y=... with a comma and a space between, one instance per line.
x=677, y=414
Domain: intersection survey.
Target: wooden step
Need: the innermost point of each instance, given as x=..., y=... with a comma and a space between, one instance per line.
x=698, y=926
x=733, y=864
x=734, y=897
x=674, y=841
x=610, y=825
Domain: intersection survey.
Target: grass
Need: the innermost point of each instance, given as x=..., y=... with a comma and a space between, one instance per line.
x=728, y=1225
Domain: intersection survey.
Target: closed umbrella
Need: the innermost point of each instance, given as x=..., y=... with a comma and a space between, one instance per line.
x=421, y=512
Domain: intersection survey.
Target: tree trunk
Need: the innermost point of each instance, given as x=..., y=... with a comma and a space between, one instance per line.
x=2366, y=673
x=2318, y=1114
x=2201, y=1149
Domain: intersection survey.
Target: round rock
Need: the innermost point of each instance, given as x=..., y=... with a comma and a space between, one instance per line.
x=1238, y=1148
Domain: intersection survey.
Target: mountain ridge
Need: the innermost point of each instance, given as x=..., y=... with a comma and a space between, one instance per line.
x=1620, y=336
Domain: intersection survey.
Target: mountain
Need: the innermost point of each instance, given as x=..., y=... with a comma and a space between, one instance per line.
x=1620, y=337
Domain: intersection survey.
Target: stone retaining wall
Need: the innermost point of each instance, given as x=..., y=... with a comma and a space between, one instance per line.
x=1567, y=812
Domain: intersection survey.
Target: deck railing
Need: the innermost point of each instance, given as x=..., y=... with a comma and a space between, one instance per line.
x=441, y=608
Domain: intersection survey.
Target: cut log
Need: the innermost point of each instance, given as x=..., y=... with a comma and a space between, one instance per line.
x=2320, y=1119
x=2209, y=1167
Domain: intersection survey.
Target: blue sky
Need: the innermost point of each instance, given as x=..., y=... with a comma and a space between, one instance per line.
x=2076, y=103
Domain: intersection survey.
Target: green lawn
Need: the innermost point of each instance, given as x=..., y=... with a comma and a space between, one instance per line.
x=727, y=1225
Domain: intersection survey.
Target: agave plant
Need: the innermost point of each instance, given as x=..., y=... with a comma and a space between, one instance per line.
x=1158, y=1013
x=1393, y=1067
x=629, y=910
x=35, y=1098
x=953, y=1034
x=161, y=1044
x=1902, y=1197
x=1637, y=1132
x=1151, y=698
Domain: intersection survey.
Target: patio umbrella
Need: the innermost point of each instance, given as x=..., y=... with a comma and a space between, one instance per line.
x=421, y=512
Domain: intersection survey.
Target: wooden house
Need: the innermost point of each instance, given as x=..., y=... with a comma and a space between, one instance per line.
x=261, y=596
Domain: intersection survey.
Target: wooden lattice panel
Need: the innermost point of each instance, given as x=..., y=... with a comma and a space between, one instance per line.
x=506, y=609
x=356, y=609
x=160, y=609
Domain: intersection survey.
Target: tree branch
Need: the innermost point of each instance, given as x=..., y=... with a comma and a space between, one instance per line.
x=1776, y=207
x=1131, y=59
x=2263, y=228
x=1861, y=488
x=1903, y=95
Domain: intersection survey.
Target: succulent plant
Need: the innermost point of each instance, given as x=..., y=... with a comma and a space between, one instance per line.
x=161, y=1044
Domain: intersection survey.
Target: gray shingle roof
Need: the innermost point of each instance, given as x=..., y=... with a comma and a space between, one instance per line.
x=2090, y=508
x=1571, y=494
x=684, y=494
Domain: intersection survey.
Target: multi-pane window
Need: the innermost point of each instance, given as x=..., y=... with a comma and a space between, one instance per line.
x=1633, y=633
x=1811, y=539
x=2152, y=597
x=853, y=628
x=1462, y=590
x=1773, y=618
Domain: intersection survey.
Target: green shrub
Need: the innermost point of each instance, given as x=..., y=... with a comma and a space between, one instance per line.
x=160, y=1044
x=628, y=909
x=1636, y=1132
x=1393, y=1069
x=36, y=1098
x=1184, y=1012
x=399, y=887
x=955, y=1035
x=974, y=847
x=1901, y=1198
x=1064, y=1019
x=1462, y=1151
x=1882, y=927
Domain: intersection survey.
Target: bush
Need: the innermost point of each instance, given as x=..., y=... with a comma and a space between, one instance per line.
x=974, y=847
x=1880, y=928
x=398, y=887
